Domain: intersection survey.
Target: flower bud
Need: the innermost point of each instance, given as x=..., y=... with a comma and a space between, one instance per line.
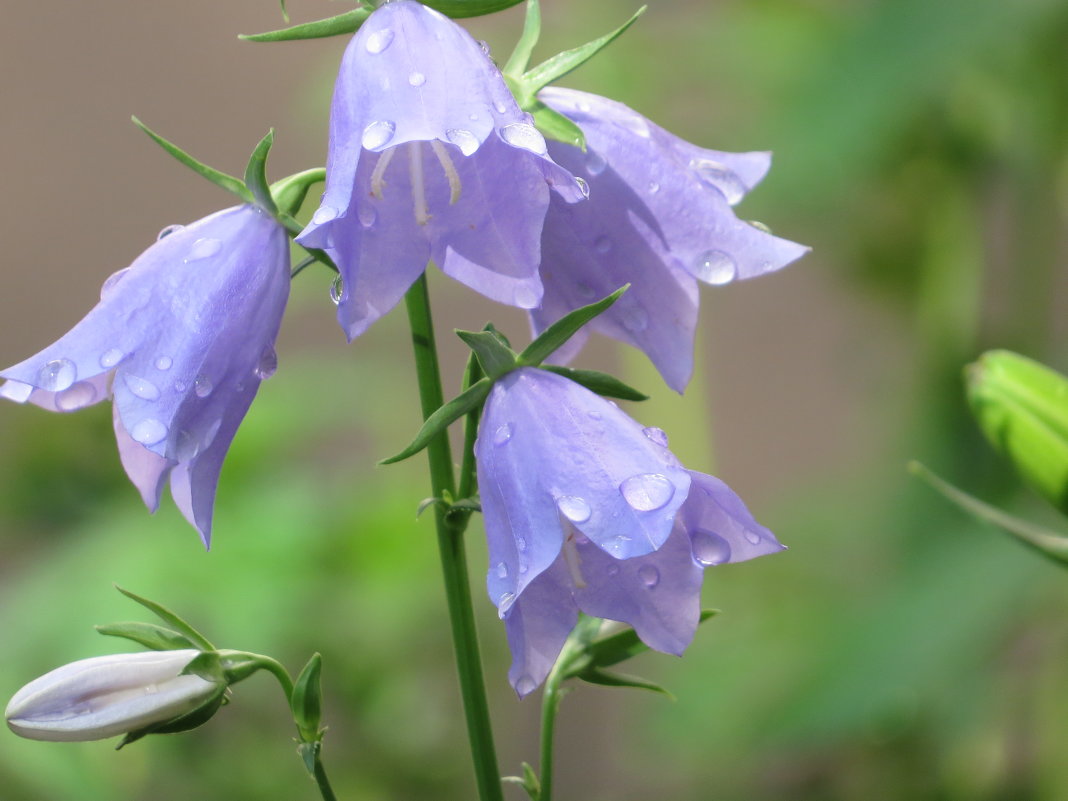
x=96, y=698
x=1022, y=407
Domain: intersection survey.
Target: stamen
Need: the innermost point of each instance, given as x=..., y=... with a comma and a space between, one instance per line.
x=574, y=563
x=450, y=171
x=377, y=181
x=415, y=167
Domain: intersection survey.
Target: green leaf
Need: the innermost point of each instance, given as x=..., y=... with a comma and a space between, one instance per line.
x=460, y=9
x=563, y=329
x=529, y=781
x=556, y=126
x=220, y=179
x=342, y=24
x=307, y=700
x=1049, y=543
x=150, y=635
x=563, y=63
x=601, y=383
x=520, y=58
x=595, y=676
x=622, y=645
x=289, y=193
x=495, y=357
x=208, y=666
x=190, y=720
x=443, y=418
x=172, y=620
x=256, y=175
x=285, y=13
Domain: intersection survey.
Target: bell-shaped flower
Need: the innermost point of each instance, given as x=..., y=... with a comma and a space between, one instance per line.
x=430, y=157
x=182, y=339
x=659, y=218
x=104, y=696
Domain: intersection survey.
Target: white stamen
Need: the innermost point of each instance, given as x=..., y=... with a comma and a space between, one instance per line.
x=415, y=167
x=377, y=181
x=574, y=562
x=450, y=171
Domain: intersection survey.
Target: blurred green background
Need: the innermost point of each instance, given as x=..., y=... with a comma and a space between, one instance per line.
x=897, y=651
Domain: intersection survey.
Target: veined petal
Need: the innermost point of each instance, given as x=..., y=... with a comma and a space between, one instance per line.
x=720, y=526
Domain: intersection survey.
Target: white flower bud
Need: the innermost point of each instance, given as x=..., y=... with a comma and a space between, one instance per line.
x=108, y=695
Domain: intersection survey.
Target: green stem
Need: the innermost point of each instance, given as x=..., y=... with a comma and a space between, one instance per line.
x=323, y=783
x=450, y=530
x=550, y=705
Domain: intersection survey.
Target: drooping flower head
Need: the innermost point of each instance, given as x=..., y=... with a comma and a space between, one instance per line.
x=659, y=217
x=181, y=339
x=586, y=510
x=430, y=157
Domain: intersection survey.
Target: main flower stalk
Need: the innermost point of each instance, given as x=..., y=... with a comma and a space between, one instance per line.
x=450, y=531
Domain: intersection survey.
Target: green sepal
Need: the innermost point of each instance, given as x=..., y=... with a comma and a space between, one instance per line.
x=171, y=619
x=221, y=179
x=150, y=635
x=520, y=59
x=556, y=126
x=606, y=679
x=462, y=9
x=190, y=720
x=256, y=175
x=529, y=781
x=619, y=647
x=307, y=700
x=237, y=666
x=494, y=355
x=342, y=24
x=289, y=193
x=309, y=753
x=285, y=13
x=444, y=417
x=1049, y=543
x=208, y=665
x=1022, y=407
x=601, y=383
x=563, y=329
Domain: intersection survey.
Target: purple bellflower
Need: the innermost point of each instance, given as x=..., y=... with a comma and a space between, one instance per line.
x=658, y=217
x=586, y=510
x=181, y=339
x=430, y=157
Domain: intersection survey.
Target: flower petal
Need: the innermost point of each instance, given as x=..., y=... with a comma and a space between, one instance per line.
x=720, y=526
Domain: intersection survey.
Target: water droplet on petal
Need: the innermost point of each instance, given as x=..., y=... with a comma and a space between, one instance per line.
x=170, y=229
x=715, y=267
x=525, y=685
x=111, y=281
x=209, y=437
x=324, y=214
x=504, y=603
x=502, y=570
x=602, y=245
x=164, y=363
x=595, y=162
x=204, y=248
x=574, y=508
x=525, y=297
x=502, y=434
x=649, y=576
x=709, y=548
x=337, y=289
x=522, y=135
x=585, y=107
x=148, y=431
x=752, y=536
x=187, y=446
x=179, y=386
x=636, y=124
x=76, y=396
x=367, y=215
x=416, y=79
x=635, y=319
x=657, y=435
x=647, y=492
x=594, y=415
x=141, y=387
x=720, y=177
x=473, y=117
x=203, y=386
x=484, y=47
x=267, y=365
x=111, y=357
x=759, y=226
x=57, y=375
x=379, y=41
x=500, y=106
x=378, y=133
x=465, y=140
x=584, y=187
x=654, y=187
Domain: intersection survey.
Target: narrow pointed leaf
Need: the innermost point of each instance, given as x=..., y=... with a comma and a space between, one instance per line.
x=622, y=645
x=150, y=635
x=220, y=179
x=603, y=384
x=172, y=620
x=443, y=418
x=563, y=329
x=460, y=9
x=1049, y=543
x=256, y=175
x=606, y=679
x=556, y=126
x=289, y=193
x=285, y=13
x=342, y=24
x=494, y=356
x=520, y=58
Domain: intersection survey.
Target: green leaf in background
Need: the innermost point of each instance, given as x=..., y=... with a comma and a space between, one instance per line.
x=171, y=619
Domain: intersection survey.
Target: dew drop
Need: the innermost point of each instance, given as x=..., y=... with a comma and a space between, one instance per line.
x=111, y=357
x=484, y=47
x=715, y=267
x=635, y=319
x=416, y=79
x=602, y=245
x=267, y=364
x=657, y=435
x=180, y=386
x=187, y=446
x=209, y=437
x=574, y=508
x=203, y=386
x=379, y=41
x=595, y=163
x=649, y=576
x=584, y=187
x=525, y=685
x=324, y=214
x=636, y=124
x=759, y=226
x=500, y=106
x=525, y=136
x=504, y=603
x=525, y=297
x=204, y=248
x=170, y=229
x=585, y=107
x=337, y=289
x=367, y=215
x=76, y=396
x=141, y=387
x=378, y=133
x=473, y=117
x=57, y=375
x=148, y=431
x=164, y=363
x=647, y=492
x=111, y=281
x=752, y=536
x=502, y=434
x=502, y=570
x=720, y=177
x=654, y=187
x=594, y=415
x=709, y=548
x=463, y=139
